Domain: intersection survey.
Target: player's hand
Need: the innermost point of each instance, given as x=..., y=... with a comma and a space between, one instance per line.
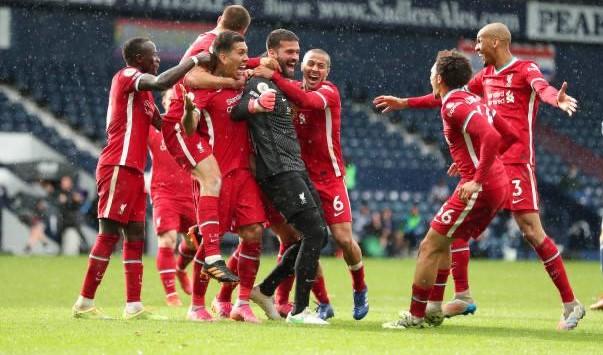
x=189, y=105
x=191, y=236
x=468, y=189
x=263, y=72
x=386, y=103
x=565, y=102
x=264, y=103
x=270, y=63
x=203, y=59
x=453, y=170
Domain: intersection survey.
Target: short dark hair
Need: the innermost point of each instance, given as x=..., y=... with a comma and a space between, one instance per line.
x=454, y=68
x=132, y=47
x=275, y=37
x=235, y=18
x=223, y=43
x=225, y=40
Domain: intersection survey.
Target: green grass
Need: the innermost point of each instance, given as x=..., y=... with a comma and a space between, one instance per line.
x=518, y=312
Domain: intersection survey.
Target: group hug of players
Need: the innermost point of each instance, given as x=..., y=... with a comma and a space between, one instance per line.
x=243, y=147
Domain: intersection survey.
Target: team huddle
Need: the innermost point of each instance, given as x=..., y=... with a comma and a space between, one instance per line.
x=243, y=147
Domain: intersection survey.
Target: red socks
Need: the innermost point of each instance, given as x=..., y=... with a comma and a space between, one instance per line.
x=437, y=292
x=132, y=256
x=418, y=304
x=97, y=263
x=320, y=290
x=200, y=280
x=209, y=224
x=226, y=288
x=166, y=265
x=283, y=290
x=553, y=263
x=185, y=256
x=357, y=272
x=249, y=263
x=460, y=264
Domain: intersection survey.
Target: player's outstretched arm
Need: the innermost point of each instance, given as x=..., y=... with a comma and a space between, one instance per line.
x=168, y=78
x=565, y=102
x=308, y=100
x=190, y=118
x=387, y=103
x=201, y=78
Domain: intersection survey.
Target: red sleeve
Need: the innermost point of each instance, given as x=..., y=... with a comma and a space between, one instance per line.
x=202, y=98
x=128, y=79
x=426, y=101
x=253, y=62
x=309, y=100
x=475, y=85
x=477, y=126
x=508, y=135
x=536, y=80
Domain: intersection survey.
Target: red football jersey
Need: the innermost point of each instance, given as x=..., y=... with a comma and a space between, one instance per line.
x=319, y=134
x=510, y=91
x=129, y=116
x=229, y=139
x=460, y=110
x=168, y=179
x=201, y=44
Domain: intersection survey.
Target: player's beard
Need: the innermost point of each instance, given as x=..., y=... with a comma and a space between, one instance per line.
x=284, y=70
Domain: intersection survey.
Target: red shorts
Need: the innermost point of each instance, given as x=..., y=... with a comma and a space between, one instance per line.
x=273, y=216
x=121, y=194
x=457, y=219
x=335, y=200
x=240, y=203
x=169, y=214
x=524, y=190
x=188, y=151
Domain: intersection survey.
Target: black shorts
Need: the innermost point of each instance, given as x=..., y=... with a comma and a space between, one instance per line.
x=291, y=192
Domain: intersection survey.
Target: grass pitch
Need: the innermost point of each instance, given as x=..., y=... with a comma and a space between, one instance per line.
x=518, y=309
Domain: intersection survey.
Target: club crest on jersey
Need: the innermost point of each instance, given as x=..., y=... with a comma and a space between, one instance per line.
x=302, y=198
x=122, y=208
x=509, y=80
x=510, y=97
x=302, y=118
x=200, y=147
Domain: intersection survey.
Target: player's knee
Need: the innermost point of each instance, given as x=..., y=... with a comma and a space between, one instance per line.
x=134, y=232
x=312, y=226
x=344, y=240
x=251, y=233
x=167, y=240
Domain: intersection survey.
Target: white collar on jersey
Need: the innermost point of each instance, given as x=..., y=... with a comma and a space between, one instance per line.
x=511, y=62
x=445, y=98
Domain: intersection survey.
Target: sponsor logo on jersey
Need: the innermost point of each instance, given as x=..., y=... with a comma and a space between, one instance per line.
x=510, y=97
x=302, y=118
x=122, y=208
x=302, y=198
